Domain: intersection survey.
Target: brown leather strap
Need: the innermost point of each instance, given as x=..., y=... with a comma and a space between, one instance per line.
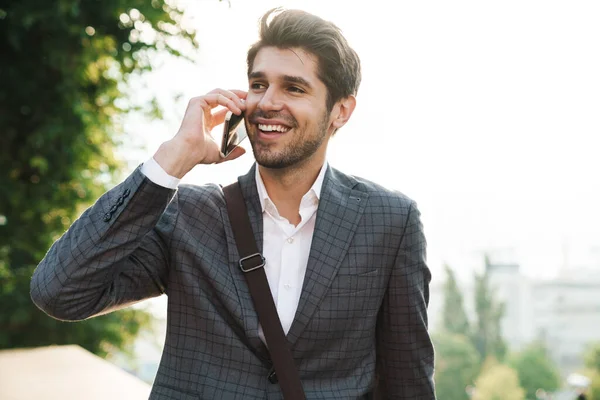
x=252, y=265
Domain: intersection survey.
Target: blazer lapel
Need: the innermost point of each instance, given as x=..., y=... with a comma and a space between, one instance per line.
x=248, y=185
x=338, y=215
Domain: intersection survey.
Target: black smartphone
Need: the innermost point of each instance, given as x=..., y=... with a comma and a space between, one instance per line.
x=234, y=131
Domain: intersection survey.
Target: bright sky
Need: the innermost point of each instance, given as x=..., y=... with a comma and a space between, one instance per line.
x=486, y=113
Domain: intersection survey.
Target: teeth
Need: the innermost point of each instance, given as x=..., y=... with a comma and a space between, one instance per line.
x=272, y=128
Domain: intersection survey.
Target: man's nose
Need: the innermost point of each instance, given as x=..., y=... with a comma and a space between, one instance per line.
x=270, y=101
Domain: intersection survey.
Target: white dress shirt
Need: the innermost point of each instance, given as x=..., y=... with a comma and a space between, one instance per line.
x=285, y=247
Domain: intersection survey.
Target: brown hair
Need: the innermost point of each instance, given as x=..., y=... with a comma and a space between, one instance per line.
x=338, y=63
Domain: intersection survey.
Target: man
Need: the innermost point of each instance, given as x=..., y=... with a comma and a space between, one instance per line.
x=345, y=257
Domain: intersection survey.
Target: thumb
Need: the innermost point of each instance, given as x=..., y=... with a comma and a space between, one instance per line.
x=237, y=152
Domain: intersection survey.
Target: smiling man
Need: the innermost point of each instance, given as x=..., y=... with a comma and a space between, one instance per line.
x=345, y=258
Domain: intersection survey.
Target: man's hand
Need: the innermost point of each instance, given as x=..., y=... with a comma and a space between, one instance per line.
x=193, y=143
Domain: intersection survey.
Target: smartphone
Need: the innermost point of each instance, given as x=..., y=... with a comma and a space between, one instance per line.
x=234, y=131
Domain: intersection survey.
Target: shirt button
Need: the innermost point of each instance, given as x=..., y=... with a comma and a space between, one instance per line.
x=290, y=240
x=287, y=286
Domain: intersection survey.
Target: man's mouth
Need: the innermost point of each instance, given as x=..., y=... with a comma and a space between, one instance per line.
x=272, y=129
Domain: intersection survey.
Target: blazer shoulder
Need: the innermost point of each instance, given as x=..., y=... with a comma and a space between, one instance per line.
x=378, y=194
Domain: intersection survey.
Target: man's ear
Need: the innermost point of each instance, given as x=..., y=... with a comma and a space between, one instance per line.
x=342, y=111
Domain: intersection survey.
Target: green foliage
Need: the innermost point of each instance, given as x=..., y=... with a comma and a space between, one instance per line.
x=498, y=382
x=487, y=331
x=64, y=69
x=456, y=366
x=592, y=356
x=454, y=316
x=592, y=362
x=594, y=391
x=535, y=370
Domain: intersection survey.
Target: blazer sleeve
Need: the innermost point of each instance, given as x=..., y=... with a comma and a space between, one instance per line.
x=404, y=350
x=114, y=255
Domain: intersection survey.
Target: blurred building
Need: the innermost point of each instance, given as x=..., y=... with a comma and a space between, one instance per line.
x=563, y=312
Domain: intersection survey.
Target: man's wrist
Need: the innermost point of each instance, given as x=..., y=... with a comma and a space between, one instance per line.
x=167, y=158
x=158, y=175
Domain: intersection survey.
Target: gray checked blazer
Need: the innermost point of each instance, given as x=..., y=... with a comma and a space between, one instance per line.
x=360, y=331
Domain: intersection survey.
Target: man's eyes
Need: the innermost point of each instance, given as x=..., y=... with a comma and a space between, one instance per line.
x=295, y=89
x=262, y=86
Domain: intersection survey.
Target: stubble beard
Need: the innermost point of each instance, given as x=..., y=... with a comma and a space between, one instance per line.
x=300, y=149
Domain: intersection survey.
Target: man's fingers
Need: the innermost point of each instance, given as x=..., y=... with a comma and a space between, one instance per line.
x=218, y=99
x=219, y=117
x=235, y=96
x=210, y=101
x=239, y=93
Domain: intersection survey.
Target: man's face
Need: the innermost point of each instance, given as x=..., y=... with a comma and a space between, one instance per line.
x=286, y=114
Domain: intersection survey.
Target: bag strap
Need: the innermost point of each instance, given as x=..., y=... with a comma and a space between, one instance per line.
x=252, y=265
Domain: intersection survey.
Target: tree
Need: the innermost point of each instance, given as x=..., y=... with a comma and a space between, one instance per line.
x=456, y=366
x=535, y=370
x=498, y=382
x=454, y=316
x=487, y=333
x=64, y=68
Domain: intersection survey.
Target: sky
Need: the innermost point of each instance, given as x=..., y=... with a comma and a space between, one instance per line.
x=485, y=113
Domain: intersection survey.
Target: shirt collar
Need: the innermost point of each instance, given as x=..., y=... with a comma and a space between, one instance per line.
x=314, y=190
